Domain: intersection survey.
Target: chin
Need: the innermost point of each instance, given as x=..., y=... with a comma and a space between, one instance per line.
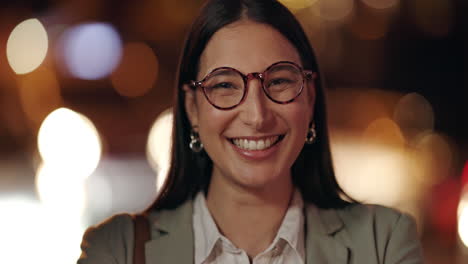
x=258, y=179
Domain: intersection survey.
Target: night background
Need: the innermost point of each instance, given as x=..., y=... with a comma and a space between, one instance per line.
x=83, y=82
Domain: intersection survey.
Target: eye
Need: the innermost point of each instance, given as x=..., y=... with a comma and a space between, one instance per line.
x=279, y=81
x=224, y=85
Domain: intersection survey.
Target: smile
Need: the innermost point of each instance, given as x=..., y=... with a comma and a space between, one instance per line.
x=256, y=144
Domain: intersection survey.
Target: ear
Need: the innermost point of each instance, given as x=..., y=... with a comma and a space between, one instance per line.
x=191, y=107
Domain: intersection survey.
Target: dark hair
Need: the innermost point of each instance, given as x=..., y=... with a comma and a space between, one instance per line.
x=190, y=172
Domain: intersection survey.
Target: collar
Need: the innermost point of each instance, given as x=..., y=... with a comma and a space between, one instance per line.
x=207, y=234
x=172, y=237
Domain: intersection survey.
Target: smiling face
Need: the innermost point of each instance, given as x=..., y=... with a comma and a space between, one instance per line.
x=255, y=144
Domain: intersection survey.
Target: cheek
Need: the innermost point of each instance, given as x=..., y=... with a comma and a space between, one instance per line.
x=301, y=113
x=211, y=120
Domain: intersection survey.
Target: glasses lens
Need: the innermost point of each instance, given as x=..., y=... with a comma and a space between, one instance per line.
x=283, y=82
x=224, y=88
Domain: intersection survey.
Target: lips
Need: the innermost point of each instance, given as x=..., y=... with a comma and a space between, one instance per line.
x=256, y=144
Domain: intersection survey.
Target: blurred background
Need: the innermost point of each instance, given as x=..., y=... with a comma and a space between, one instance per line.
x=86, y=89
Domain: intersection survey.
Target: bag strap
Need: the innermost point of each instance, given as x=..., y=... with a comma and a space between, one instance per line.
x=142, y=234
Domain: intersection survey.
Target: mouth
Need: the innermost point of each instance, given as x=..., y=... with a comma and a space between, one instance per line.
x=256, y=144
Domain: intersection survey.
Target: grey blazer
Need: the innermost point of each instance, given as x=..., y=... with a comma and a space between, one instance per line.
x=358, y=234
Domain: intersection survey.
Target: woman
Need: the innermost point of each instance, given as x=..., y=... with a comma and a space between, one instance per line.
x=251, y=177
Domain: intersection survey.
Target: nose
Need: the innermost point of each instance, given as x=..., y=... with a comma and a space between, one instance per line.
x=255, y=111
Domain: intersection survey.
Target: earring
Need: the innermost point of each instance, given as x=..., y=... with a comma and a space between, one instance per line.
x=195, y=143
x=311, y=135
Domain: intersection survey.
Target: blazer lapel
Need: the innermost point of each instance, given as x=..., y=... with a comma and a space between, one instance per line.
x=172, y=236
x=325, y=237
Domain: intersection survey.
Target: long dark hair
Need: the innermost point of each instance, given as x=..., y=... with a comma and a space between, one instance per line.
x=190, y=172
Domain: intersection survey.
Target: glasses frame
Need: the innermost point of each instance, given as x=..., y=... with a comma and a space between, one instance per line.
x=306, y=75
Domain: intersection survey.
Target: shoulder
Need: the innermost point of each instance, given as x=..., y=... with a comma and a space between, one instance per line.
x=359, y=215
x=393, y=234
x=114, y=228
x=109, y=242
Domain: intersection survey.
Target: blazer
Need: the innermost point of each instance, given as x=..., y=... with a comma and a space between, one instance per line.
x=357, y=234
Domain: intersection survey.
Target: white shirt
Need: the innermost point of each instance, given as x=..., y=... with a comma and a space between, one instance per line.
x=211, y=247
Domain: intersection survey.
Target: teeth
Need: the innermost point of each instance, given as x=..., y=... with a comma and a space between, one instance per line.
x=255, y=144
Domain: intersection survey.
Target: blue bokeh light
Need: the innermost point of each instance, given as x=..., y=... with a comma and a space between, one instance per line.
x=92, y=51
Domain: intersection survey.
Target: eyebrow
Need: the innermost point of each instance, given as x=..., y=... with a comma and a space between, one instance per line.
x=223, y=72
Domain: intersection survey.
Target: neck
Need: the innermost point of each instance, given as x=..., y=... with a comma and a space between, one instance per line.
x=249, y=217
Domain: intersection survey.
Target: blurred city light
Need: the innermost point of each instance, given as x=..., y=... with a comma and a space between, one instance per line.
x=373, y=173
x=33, y=88
x=159, y=144
x=384, y=131
x=297, y=4
x=27, y=46
x=22, y=239
x=31, y=234
x=59, y=192
x=137, y=72
x=381, y=4
x=70, y=141
x=91, y=51
x=336, y=10
x=414, y=114
x=463, y=217
x=436, y=155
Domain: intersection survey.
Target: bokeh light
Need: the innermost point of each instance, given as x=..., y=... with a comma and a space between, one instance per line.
x=384, y=131
x=159, y=143
x=137, y=72
x=20, y=232
x=91, y=51
x=71, y=141
x=373, y=173
x=30, y=234
x=381, y=4
x=414, y=114
x=463, y=217
x=33, y=89
x=336, y=10
x=436, y=156
x=59, y=191
x=27, y=46
x=295, y=5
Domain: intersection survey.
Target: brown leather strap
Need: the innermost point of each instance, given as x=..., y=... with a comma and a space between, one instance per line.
x=142, y=234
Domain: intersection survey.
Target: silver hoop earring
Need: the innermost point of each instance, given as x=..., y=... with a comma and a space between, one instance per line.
x=195, y=143
x=311, y=135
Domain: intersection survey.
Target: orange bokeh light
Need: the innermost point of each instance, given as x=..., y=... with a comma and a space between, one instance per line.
x=385, y=131
x=137, y=72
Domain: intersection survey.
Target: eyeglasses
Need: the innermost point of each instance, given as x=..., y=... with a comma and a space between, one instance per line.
x=226, y=88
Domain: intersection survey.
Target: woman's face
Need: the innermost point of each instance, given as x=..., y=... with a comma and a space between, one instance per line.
x=229, y=135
